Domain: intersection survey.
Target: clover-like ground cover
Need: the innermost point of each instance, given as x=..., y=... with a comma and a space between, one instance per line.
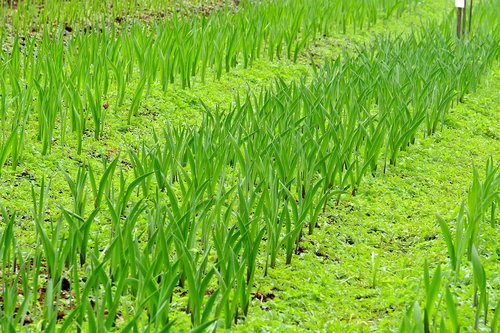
x=330, y=287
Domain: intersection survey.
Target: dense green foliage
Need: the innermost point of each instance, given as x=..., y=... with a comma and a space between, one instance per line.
x=477, y=210
x=197, y=211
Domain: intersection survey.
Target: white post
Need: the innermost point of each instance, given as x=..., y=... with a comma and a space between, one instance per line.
x=460, y=4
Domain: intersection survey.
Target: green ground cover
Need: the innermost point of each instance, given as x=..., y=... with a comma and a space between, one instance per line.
x=394, y=217
x=103, y=254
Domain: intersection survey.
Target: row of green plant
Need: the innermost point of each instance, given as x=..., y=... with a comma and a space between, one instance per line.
x=27, y=16
x=207, y=207
x=62, y=83
x=451, y=288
